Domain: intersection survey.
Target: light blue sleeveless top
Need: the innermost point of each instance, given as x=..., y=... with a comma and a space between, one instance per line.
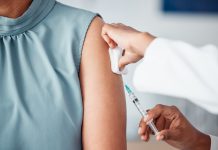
x=40, y=95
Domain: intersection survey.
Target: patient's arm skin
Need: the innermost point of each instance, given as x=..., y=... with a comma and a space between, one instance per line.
x=104, y=122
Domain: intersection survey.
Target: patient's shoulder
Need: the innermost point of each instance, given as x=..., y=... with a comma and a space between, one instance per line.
x=93, y=36
x=72, y=26
x=95, y=50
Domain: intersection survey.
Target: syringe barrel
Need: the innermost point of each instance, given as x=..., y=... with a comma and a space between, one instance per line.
x=143, y=113
x=153, y=127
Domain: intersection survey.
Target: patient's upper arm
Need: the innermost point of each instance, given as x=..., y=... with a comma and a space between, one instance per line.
x=104, y=122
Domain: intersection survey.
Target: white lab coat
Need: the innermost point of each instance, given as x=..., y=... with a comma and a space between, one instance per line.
x=175, y=68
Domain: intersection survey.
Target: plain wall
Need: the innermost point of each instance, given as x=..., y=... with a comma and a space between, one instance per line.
x=146, y=15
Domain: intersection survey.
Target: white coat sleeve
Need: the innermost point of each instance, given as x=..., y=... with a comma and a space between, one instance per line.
x=175, y=68
x=214, y=143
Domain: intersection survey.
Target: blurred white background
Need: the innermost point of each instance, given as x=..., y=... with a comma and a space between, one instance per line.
x=146, y=15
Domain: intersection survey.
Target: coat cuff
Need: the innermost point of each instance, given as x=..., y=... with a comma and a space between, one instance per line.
x=214, y=143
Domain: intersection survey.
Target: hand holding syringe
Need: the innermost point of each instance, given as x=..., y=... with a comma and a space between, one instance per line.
x=135, y=100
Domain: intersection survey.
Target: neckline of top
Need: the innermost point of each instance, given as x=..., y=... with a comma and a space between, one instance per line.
x=37, y=10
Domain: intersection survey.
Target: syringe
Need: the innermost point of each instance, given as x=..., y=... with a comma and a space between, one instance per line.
x=135, y=100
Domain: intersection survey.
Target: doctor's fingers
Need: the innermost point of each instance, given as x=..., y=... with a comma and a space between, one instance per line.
x=111, y=30
x=168, y=112
x=169, y=134
x=123, y=62
x=144, y=131
x=119, y=33
x=128, y=57
x=161, y=123
x=118, y=25
x=109, y=41
x=107, y=32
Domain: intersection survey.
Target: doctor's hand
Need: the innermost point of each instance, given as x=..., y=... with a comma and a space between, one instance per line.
x=134, y=42
x=174, y=129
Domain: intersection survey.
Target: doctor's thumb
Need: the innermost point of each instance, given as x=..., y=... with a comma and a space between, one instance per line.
x=123, y=62
x=168, y=134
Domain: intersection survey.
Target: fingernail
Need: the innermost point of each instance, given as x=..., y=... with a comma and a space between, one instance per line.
x=111, y=45
x=139, y=130
x=142, y=138
x=160, y=137
x=146, y=118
